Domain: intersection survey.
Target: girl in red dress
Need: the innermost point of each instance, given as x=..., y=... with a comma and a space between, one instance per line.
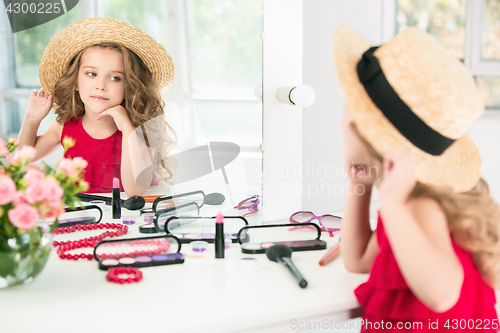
x=434, y=256
x=105, y=78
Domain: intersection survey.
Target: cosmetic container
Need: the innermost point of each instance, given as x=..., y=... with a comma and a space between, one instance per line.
x=129, y=219
x=199, y=246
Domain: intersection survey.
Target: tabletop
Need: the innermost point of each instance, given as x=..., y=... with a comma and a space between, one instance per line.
x=224, y=295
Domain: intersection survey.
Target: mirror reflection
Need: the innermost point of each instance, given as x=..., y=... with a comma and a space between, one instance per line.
x=217, y=51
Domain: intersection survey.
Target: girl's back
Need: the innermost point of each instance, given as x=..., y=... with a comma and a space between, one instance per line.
x=386, y=296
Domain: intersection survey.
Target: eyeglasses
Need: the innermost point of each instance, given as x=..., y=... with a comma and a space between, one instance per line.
x=329, y=223
x=251, y=204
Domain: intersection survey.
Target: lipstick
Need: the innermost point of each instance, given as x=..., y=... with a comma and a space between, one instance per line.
x=219, y=236
x=115, y=202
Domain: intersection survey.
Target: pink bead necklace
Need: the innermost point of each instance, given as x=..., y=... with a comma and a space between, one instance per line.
x=85, y=242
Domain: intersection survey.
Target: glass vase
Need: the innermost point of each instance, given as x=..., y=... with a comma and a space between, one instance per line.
x=23, y=258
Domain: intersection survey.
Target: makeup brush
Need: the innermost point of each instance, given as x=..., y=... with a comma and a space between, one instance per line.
x=213, y=199
x=283, y=255
x=133, y=203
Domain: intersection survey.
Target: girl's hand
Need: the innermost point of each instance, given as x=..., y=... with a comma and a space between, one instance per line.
x=362, y=174
x=39, y=106
x=399, y=177
x=360, y=166
x=119, y=115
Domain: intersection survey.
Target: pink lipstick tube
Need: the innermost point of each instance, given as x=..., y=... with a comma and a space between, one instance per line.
x=116, y=204
x=219, y=236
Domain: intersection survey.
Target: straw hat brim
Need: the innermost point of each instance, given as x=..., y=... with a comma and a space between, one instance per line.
x=82, y=34
x=459, y=167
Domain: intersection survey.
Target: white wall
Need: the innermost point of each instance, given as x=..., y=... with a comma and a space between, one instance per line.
x=323, y=182
x=322, y=141
x=486, y=135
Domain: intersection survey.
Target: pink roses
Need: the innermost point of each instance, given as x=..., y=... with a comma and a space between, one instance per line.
x=72, y=167
x=67, y=166
x=42, y=197
x=28, y=192
x=34, y=175
x=23, y=216
x=7, y=189
x=45, y=189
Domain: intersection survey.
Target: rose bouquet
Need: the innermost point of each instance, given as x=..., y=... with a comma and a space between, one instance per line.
x=30, y=195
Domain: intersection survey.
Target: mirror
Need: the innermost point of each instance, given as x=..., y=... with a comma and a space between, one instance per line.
x=216, y=96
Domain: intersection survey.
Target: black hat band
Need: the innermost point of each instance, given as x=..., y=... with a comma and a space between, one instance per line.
x=399, y=114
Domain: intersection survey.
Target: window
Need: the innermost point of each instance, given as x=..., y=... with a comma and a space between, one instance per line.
x=469, y=29
x=225, y=61
x=29, y=45
x=223, y=47
x=491, y=31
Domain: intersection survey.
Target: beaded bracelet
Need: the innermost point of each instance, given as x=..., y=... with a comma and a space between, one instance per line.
x=113, y=273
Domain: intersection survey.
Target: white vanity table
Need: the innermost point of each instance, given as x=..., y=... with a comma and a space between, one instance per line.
x=223, y=297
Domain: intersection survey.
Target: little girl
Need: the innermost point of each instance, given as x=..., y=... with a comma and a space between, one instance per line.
x=435, y=254
x=105, y=77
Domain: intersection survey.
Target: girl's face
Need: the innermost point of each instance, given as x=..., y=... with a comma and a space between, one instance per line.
x=101, y=79
x=355, y=152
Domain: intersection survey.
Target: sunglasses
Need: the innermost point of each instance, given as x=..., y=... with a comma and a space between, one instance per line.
x=329, y=223
x=251, y=204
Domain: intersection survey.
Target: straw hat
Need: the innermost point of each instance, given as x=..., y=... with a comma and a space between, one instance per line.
x=82, y=34
x=433, y=103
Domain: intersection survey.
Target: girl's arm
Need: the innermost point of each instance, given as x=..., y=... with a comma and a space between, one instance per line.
x=38, y=108
x=129, y=181
x=123, y=123
x=359, y=243
x=418, y=233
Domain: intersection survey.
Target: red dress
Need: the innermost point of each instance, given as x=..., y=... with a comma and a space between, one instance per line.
x=387, y=299
x=103, y=156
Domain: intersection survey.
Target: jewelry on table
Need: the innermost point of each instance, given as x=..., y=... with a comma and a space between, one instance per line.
x=85, y=242
x=162, y=248
x=113, y=273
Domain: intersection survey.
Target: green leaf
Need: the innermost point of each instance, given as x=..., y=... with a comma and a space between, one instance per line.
x=7, y=264
x=6, y=228
x=54, y=225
